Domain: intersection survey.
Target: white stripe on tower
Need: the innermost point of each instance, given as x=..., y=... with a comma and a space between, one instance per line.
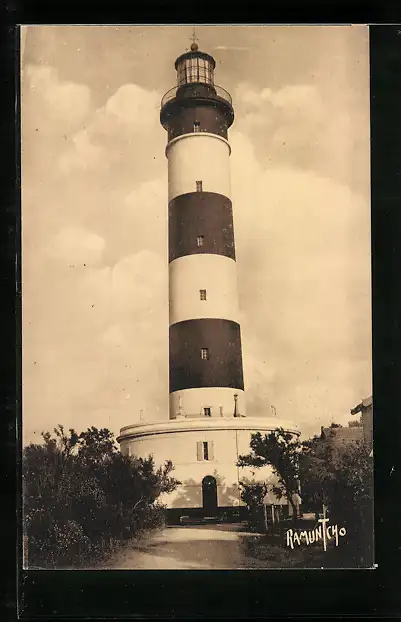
x=198, y=157
x=201, y=286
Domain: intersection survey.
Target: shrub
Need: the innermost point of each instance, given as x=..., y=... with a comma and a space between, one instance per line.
x=252, y=495
x=82, y=498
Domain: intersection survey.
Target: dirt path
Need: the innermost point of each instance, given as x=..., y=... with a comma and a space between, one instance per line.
x=197, y=547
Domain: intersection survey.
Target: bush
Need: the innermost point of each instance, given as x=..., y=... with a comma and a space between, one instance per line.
x=82, y=498
x=252, y=495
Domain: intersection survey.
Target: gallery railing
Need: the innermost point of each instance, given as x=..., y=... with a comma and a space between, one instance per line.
x=217, y=91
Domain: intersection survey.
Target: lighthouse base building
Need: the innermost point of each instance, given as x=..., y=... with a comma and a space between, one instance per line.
x=207, y=428
x=204, y=453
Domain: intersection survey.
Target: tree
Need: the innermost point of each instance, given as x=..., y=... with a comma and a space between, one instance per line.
x=281, y=450
x=252, y=494
x=353, y=493
x=81, y=495
x=342, y=479
x=317, y=472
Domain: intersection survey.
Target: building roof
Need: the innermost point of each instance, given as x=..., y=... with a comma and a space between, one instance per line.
x=366, y=403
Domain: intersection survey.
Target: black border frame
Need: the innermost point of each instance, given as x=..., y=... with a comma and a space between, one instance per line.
x=226, y=594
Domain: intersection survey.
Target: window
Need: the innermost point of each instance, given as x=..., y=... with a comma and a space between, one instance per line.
x=207, y=412
x=202, y=293
x=205, y=450
x=194, y=69
x=198, y=186
x=204, y=354
x=196, y=126
x=199, y=240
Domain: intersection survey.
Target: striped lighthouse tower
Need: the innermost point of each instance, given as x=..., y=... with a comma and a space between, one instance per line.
x=206, y=374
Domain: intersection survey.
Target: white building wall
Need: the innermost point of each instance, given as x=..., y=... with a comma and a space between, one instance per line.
x=198, y=157
x=181, y=448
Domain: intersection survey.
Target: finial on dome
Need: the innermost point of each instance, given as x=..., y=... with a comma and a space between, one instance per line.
x=194, y=46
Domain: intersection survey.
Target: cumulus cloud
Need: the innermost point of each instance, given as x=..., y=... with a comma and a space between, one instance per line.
x=134, y=107
x=118, y=135
x=303, y=249
x=292, y=97
x=75, y=245
x=81, y=155
x=60, y=103
x=105, y=339
x=95, y=277
x=298, y=125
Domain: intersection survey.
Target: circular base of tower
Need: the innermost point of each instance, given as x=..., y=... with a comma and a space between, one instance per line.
x=204, y=453
x=256, y=424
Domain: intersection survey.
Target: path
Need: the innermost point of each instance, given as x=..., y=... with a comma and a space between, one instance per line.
x=188, y=547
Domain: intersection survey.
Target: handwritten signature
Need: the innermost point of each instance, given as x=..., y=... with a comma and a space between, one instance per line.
x=323, y=533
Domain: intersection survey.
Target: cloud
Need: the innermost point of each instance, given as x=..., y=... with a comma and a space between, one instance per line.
x=303, y=257
x=92, y=172
x=105, y=339
x=119, y=135
x=57, y=103
x=133, y=106
x=145, y=212
x=292, y=117
x=231, y=48
x=292, y=96
x=139, y=286
x=82, y=155
x=299, y=125
x=78, y=246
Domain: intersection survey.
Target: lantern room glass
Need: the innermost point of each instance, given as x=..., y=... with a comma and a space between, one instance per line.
x=194, y=69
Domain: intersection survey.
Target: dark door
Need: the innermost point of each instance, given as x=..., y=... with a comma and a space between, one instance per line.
x=209, y=495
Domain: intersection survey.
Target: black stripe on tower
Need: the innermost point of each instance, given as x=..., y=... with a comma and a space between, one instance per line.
x=223, y=367
x=205, y=215
x=191, y=116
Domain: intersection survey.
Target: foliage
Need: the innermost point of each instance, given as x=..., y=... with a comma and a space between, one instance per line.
x=317, y=472
x=281, y=450
x=252, y=495
x=351, y=497
x=339, y=477
x=82, y=497
x=342, y=479
x=355, y=424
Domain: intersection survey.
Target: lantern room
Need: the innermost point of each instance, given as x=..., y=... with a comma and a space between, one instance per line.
x=195, y=66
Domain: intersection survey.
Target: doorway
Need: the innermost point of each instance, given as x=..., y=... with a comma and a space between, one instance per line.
x=209, y=495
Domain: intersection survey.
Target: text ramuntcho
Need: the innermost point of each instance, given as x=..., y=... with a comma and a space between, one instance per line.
x=323, y=533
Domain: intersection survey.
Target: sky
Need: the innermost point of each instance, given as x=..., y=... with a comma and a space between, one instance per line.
x=94, y=219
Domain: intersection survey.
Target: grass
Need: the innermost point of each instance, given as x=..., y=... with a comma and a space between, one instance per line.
x=271, y=551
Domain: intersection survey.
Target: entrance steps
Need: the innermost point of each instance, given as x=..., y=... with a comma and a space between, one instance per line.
x=199, y=520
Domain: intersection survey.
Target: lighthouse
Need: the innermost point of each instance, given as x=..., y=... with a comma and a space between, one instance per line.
x=205, y=356
x=206, y=427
